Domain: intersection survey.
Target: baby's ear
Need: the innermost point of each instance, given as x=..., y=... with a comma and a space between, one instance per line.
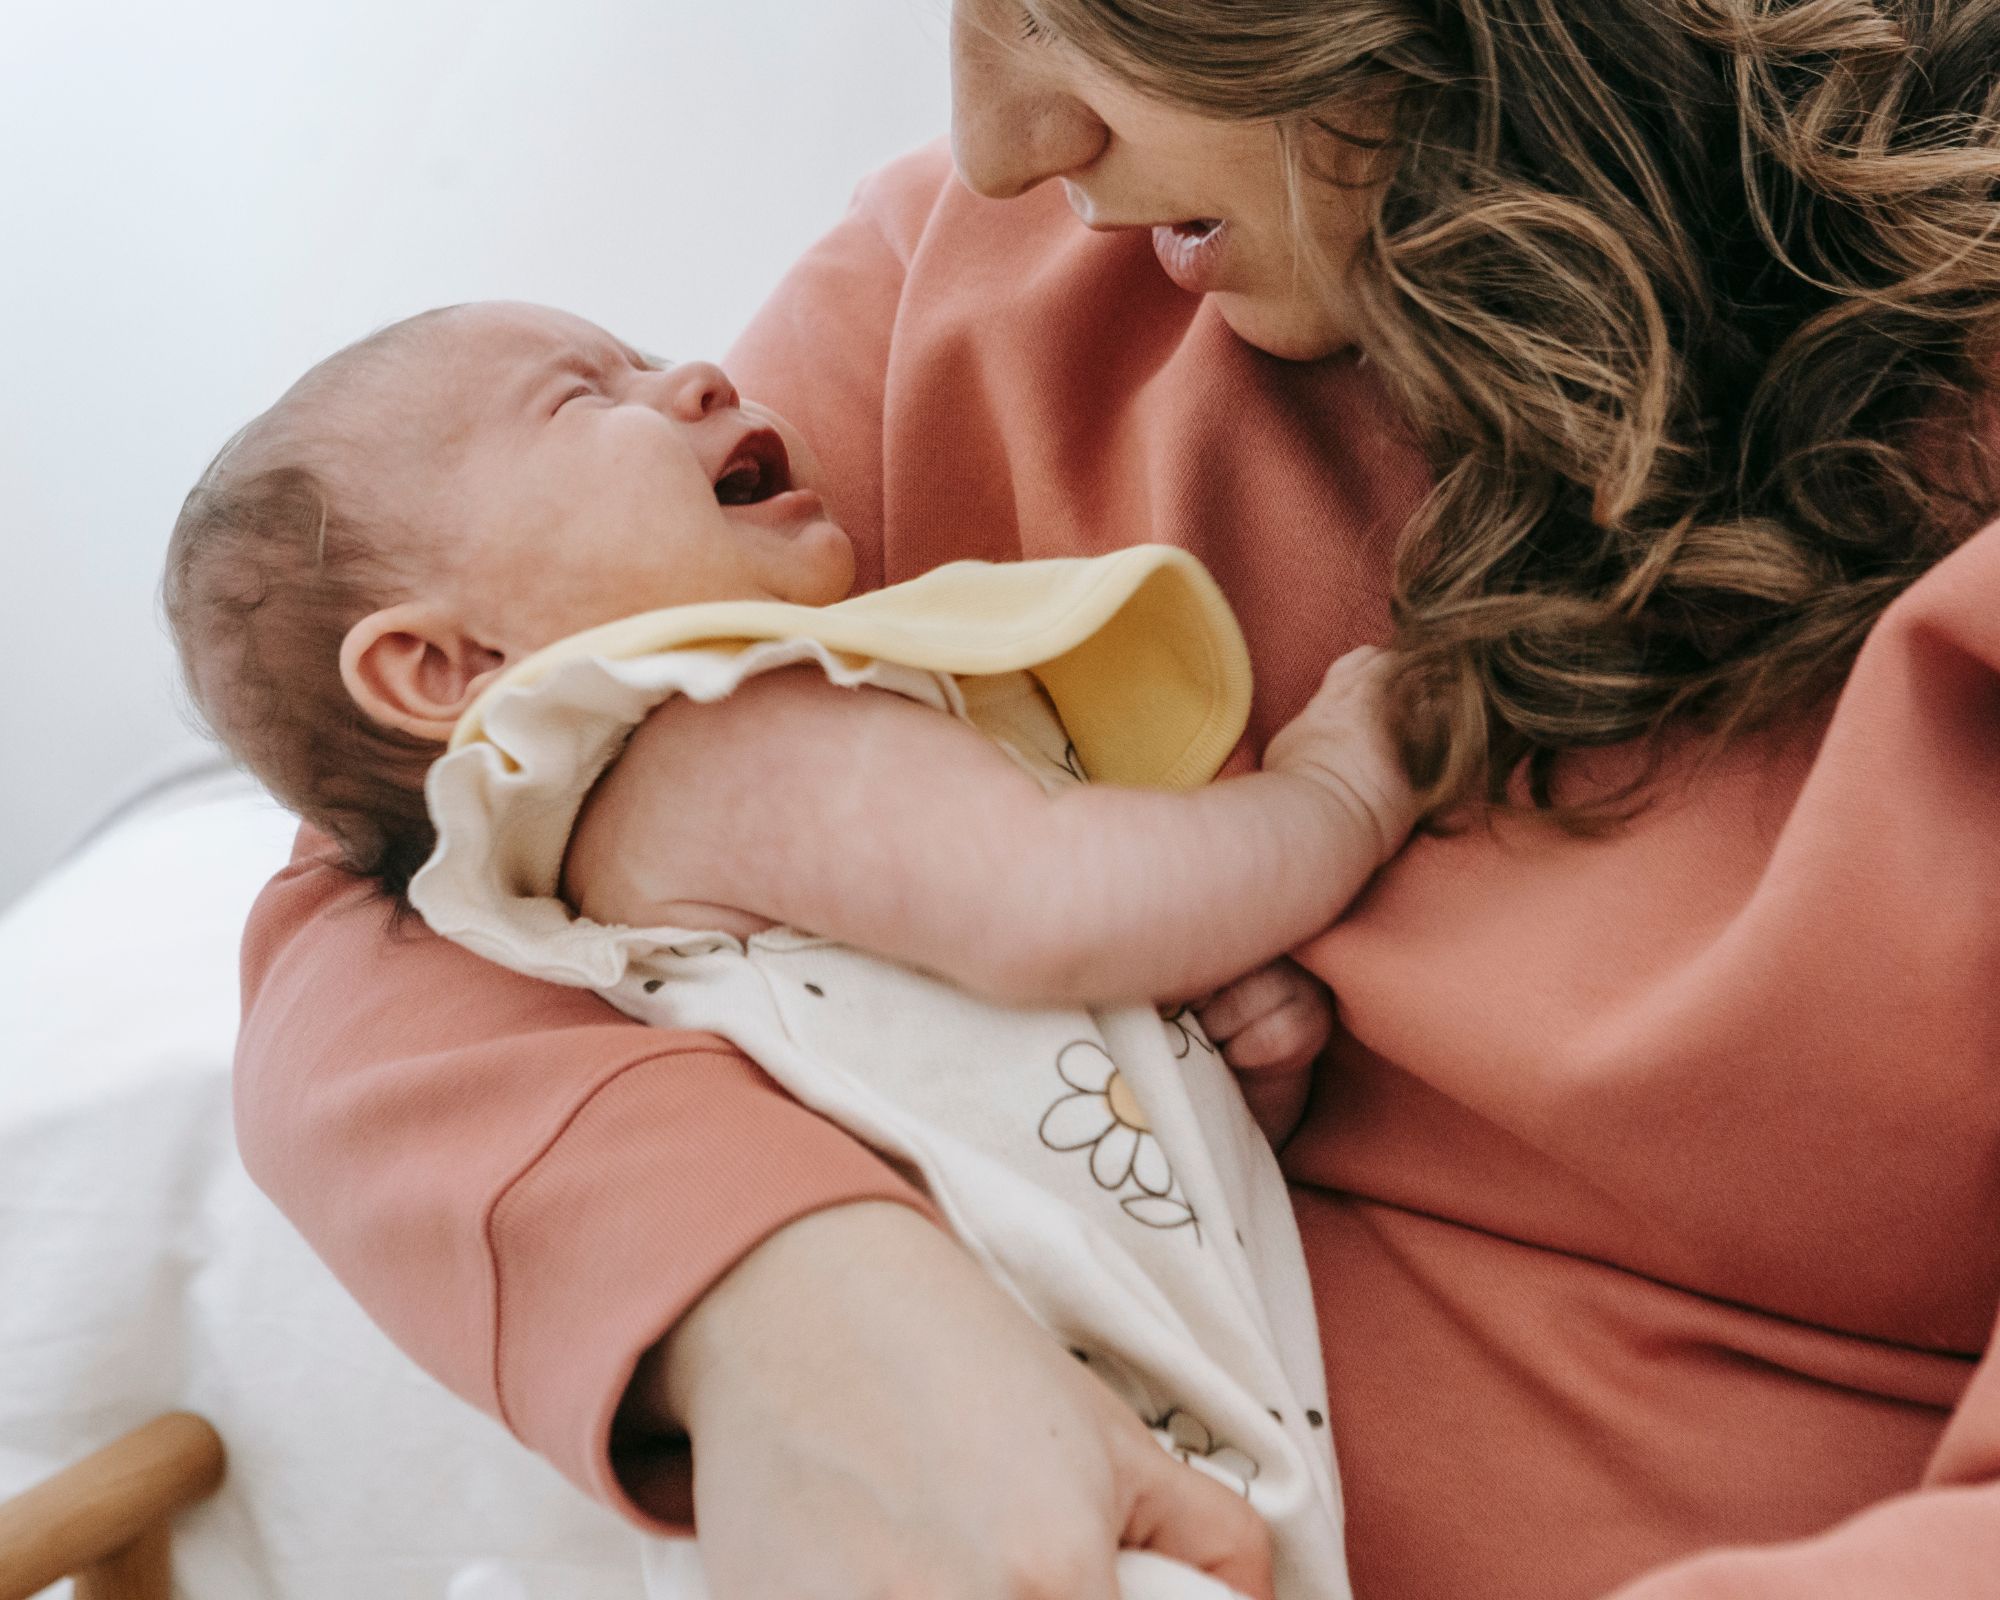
x=414, y=667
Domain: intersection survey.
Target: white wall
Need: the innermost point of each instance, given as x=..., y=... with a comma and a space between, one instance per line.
x=199, y=200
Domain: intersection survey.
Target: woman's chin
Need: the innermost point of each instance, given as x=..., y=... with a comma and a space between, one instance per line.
x=1290, y=328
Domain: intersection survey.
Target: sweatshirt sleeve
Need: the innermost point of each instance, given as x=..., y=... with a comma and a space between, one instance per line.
x=1941, y=1541
x=524, y=1188
x=819, y=351
x=1923, y=773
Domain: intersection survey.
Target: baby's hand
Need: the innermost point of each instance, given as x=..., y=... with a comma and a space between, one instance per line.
x=1270, y=1026
x=1341, y=741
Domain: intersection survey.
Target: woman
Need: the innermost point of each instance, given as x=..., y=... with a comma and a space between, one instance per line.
x=1618, y=360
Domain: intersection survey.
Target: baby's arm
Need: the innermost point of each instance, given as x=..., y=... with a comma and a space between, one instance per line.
x=871, y=819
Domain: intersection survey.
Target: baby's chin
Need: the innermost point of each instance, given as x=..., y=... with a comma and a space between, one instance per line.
x=823, y=564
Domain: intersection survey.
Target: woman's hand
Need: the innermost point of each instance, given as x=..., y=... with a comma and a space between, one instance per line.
x=872, y=1417
x=1342, y=742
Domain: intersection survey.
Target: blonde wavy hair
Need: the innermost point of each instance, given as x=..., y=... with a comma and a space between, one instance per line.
x=1693, y=305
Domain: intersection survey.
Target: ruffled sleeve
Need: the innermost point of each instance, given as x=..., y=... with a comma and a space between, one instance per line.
x=505, y=803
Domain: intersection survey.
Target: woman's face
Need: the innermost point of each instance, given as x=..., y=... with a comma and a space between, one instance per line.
x=1027, y=107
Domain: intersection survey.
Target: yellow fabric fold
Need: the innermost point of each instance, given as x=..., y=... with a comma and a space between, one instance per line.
x=1138, y=649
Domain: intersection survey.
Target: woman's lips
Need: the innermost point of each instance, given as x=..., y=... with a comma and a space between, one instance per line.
x=1193, y=253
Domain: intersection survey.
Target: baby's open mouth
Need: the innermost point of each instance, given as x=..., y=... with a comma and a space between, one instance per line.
x=757, y=469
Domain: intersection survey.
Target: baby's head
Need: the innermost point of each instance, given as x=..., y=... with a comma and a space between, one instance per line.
x=430, y=505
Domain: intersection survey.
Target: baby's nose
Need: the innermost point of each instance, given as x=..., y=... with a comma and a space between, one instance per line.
x=695, y=388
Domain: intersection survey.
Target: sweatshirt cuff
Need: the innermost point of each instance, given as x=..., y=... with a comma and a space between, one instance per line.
x=646, y=1196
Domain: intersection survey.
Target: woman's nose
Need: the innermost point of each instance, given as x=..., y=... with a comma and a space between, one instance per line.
x=695, y=388
x=1014, y=123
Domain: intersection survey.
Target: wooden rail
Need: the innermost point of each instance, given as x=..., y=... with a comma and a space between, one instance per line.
x=104, y=1521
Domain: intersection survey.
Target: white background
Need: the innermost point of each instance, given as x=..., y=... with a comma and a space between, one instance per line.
x=199, y=200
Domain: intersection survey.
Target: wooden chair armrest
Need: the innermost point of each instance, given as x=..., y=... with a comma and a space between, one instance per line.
x=104, y=1520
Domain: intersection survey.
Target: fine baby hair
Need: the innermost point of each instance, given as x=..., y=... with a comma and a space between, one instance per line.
x=278, y=550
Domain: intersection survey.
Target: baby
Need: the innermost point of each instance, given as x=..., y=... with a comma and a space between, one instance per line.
x=852, y=835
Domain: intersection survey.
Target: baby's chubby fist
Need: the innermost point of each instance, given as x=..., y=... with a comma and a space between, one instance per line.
x=1270, y=1026
x=1341, y=742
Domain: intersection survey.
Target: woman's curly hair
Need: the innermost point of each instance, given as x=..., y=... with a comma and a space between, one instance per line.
x=1693, y=304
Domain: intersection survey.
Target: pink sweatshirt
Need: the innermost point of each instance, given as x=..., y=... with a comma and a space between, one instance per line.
x=1652, y=1188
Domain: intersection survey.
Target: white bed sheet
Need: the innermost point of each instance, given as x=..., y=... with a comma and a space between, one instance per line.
x=144, y=1272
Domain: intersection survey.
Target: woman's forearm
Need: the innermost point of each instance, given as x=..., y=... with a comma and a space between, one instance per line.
x=829, y=1380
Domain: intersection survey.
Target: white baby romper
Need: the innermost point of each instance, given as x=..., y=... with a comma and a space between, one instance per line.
x=1099, y=1163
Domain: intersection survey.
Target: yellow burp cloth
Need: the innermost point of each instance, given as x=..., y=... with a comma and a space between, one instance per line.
x=1138, y=650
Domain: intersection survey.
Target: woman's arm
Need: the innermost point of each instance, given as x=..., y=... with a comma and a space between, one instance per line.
x=1898, y=825
x=1940, y=1542
x=524, y=1188
x=864, y=816
x=527, y=1189
x=843, y=1361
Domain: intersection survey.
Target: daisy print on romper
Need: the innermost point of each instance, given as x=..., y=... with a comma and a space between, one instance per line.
x=1101, y=1115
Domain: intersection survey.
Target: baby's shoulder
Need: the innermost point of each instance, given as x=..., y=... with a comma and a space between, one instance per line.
x=707, y=793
